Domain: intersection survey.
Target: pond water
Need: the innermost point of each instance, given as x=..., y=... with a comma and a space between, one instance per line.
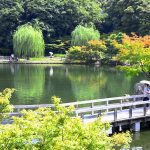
x=36, y=84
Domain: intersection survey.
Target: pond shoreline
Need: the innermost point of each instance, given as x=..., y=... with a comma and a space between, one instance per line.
x=58, y=61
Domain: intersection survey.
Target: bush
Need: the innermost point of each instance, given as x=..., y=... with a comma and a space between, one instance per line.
x=94, y=51
x=111, y=49
x=46, y=129
x=81, y=35
x=28, y=41
x=5, y=106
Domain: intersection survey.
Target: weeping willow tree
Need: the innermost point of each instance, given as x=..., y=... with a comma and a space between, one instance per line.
x=28, y=41
x=29, y=82
x=81, y=35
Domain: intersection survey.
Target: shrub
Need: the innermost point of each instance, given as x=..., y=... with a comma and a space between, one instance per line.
x=111, y=49
x=46, y=129
x=94, y=51
x=81, y=35
x=28, y=41
x=5, y=105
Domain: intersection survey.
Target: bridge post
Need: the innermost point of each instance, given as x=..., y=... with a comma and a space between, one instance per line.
x=99, y=113
x=136, y=127
x=145, y=109
x=130, y=112
x=18, y=110
x=115, y=114
x=92, y=105
x=107, y=105
x=121, y=104
x=110, y=130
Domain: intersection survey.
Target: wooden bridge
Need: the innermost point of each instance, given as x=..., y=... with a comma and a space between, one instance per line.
x=119, y=111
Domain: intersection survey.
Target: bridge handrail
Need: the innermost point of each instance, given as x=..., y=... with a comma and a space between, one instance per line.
x=112, y=106
x=79, y=103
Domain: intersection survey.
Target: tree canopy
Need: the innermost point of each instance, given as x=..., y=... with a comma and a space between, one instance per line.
x=127, y=16
x=58, y=18
x=55, y=17
x=82, y=35
x=135, y=53
x=28, y=41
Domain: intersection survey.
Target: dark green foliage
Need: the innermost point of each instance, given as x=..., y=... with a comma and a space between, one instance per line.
x=28, y=41
x=10, y=17
x=56, y=18
x=111, y=49
x=81, y=35
x=127, y=16
x=5, y=51
x=59, y=18
x=57, y=46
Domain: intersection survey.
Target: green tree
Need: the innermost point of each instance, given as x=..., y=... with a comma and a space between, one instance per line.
x=82, y=35
x=10, y=16
x=28, y=41
x=111, y=49
x=48, y=129
x=134, y=52
x=127, y=16
x=5, y=106
x=56, y=18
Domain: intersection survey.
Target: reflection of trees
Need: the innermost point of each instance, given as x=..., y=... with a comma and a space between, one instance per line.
x=29, y=83
x=5, y=77
x=86, y=82
x=141, y=139
x=37, y=83
x=91, y=82
x=58, y=84
x=118, y=83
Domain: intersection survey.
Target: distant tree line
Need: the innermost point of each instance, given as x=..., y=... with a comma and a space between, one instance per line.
x=58, y=18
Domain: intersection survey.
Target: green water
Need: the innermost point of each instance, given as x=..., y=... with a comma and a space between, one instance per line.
x=35, y=84
x=141, y=140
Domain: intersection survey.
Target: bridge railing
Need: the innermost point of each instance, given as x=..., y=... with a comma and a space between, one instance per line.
x=115, y=109
x=86, y=104
x=99, y=107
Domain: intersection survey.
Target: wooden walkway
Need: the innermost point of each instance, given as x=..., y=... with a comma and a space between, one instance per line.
x=113, y=110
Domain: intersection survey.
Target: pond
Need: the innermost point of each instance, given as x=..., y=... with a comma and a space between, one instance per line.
x=36, y=84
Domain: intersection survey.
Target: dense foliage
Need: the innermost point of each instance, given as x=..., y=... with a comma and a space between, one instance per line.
x=59, y=18
x=56, y=18
x=127, y=16
x=28, y=41
x=81, y=35
x=45, y=128
x=135, y=53
x=109, y=40
x=5, y=106
x=92, y=52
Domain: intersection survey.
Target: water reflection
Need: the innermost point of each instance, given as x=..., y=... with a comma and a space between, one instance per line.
x=51, y=71
x=29, y=83
x=141, y=140
x=37, y=83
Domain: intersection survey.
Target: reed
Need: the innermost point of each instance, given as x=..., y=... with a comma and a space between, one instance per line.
x=28, y=41
x=81, y=35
